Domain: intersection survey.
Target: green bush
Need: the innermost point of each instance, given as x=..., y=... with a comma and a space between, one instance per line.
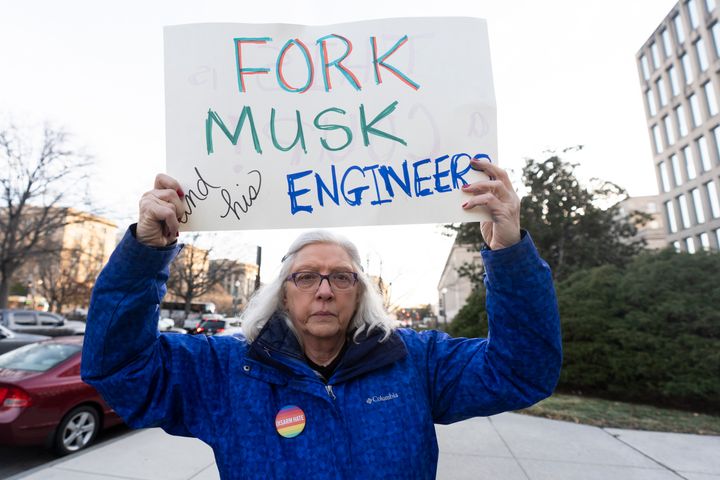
x=648, y=331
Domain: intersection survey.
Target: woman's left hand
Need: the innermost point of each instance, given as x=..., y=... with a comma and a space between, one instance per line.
x=502, y=202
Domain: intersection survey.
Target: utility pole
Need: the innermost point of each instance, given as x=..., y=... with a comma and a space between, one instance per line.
x=258, y=261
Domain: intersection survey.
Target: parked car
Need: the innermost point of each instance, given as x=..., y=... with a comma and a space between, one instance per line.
x=167, y=325
x=43, y=401
x=10, y=340
x=192, y=324
x=210, y=327
x=233, y=327
x=40, y=323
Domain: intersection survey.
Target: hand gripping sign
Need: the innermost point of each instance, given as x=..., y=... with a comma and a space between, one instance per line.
x=367, y=123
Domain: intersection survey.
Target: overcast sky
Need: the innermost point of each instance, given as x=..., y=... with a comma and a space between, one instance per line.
x=564, y=75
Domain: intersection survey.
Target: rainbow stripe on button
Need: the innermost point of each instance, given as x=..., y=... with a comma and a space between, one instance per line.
x=290, y=421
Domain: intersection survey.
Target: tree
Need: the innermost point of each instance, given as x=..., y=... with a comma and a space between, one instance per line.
x=67, y=276
x=573, y=226
x=192, y=274
x=35, y=186
x=646, y=331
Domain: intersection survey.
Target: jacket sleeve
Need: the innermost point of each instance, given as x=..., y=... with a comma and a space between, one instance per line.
x=519, y=363
x=149, y=379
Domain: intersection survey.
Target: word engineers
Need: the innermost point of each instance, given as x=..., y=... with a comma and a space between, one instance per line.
x=308, y=189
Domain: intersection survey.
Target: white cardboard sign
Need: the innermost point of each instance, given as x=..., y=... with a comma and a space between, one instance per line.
x=366, y=123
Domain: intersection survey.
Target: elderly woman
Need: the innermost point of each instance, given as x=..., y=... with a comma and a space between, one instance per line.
x=322, y=385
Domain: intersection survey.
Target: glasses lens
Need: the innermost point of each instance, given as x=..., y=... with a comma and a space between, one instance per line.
x=342, y=280
x=307, y=280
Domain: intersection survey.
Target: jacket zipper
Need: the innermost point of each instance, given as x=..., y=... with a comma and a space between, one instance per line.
x=329, y=390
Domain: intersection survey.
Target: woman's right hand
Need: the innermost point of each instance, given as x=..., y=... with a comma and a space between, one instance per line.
x=160, y=210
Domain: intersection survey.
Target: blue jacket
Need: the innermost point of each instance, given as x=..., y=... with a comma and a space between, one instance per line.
x=374, y=418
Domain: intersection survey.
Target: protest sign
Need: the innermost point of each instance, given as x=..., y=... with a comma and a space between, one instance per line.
x=366, y=123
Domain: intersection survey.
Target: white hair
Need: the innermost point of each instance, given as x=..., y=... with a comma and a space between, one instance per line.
x=370, y=313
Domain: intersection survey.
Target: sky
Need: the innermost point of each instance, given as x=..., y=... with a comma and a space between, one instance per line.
x=564, y=74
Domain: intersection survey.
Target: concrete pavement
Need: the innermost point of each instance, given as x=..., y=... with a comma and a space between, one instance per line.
x=504, y=447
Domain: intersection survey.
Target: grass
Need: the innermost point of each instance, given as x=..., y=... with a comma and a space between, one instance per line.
x=609, y=413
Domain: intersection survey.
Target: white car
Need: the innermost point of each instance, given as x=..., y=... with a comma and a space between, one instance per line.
x=168, y=325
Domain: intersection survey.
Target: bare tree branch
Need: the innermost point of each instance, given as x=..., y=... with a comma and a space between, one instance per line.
x=37, y=186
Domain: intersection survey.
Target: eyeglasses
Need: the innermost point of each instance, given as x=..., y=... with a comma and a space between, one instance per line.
x=309, y=281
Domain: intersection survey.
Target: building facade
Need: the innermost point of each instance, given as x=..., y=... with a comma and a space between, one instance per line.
x=679, y=68
x=62, y=278
x=453, y=289
x=653, y=232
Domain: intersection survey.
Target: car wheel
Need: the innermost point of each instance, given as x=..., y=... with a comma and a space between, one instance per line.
x=77, y=430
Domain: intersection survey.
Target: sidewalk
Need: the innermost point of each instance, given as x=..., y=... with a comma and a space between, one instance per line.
x=504, y=447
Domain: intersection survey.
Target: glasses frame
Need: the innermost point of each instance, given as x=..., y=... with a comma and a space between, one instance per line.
x=292, y=278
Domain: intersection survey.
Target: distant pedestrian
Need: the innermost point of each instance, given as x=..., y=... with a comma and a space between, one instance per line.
x=322, y=385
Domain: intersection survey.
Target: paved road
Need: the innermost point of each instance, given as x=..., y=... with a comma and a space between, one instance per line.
x=14, y=460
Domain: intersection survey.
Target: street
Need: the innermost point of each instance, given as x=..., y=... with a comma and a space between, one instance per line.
x=14, y=460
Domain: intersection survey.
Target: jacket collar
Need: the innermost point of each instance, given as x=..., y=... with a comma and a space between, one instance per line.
x=277, y=346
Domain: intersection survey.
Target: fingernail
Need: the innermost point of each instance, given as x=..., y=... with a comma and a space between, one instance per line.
x=465, y=185
x=180, y=193
x=464, y=204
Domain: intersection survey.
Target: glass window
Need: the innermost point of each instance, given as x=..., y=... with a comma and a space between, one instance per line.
x=644, y=67
x=670, y=209
x=655, y=55
x=711, y=98
x=717, y=236
x=664, y=180
x=709, y=5
x=716, y=135
x=692, y=14
x=694, y=110
x=681, y=121
x=656, y=139
x=679, y=29
x=651, y=102
x=669, y=130
x=690, y=244
x=701, y=54
x=24, y=318
x=697, y=205
x=689, y=162
x=684, y=213
x=676, y=246
x=662, y=94
x=716, y=38
x=687, y=69
x=38, y=357
x=704, y=154
x=667, y=43
x=713, y=199
x=674, y=85
x=705, y=241
x=47, y=319
x=677, y=177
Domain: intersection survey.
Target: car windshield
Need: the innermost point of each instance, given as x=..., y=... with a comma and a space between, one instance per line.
x=38, y=357
x=213, y=324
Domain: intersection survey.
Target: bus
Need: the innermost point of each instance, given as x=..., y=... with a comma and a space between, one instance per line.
x=176, y=310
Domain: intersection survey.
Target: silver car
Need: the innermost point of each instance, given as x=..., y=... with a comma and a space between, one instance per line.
x=10, y=340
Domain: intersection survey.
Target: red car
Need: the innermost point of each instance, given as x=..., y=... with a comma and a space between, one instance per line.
x=44, y=402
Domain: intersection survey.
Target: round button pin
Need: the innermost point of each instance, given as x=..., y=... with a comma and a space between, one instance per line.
x=290, y=421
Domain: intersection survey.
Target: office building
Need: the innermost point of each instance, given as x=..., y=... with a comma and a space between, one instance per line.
x=679, y=68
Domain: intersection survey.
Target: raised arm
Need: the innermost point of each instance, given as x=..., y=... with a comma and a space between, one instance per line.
x=146, y=377
x=519, y=363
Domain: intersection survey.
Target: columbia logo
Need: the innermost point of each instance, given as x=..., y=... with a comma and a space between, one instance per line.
x=381, y=398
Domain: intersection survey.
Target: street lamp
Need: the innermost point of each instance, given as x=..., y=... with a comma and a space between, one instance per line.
x=236, y=289
x=444, y=302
